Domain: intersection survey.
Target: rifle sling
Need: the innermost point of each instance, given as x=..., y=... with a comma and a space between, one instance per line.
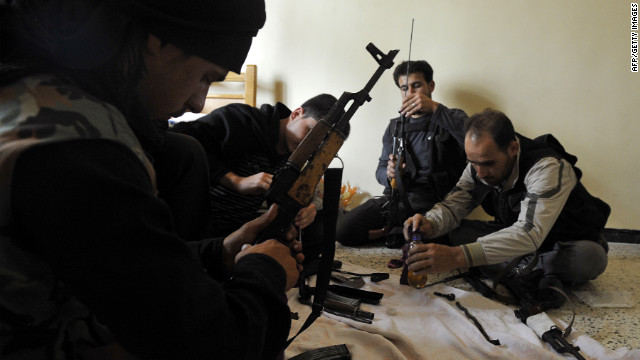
x=331, y=198
x=402, y=191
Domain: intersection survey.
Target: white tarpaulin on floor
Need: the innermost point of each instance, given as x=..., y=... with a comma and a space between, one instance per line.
x=415, y=324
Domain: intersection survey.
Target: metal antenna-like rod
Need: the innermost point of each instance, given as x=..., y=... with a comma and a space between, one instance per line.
x=403, y=118
x=409, y=61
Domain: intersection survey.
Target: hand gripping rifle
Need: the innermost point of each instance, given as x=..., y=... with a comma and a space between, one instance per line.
x=398, y=154
x=398, y=193
x=399, y=135
x=294, y=184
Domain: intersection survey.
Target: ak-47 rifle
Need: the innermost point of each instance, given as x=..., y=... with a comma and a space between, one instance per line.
x=532, y=311
x=398, y=151
x=398, y=194
x=548, y=331
x=520, y=281
x=294, y=184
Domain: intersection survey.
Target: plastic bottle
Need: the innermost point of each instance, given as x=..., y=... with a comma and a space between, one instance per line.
x=417, y=281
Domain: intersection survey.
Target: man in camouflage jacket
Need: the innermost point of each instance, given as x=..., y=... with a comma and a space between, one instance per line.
x=91, y=262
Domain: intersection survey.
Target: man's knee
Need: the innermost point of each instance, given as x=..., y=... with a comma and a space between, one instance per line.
x=579, y=261
x=354, y=228
x=591, y=258
x=348, y=234
x=351, y=239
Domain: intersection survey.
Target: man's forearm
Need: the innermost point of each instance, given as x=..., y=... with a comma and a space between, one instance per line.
x=230, y=180
x=446, y=215
x=459, y=259
x=549, y=183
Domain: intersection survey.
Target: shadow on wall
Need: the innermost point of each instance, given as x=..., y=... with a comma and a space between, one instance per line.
x=278, y=91
x=474, y=100
x=271, y=92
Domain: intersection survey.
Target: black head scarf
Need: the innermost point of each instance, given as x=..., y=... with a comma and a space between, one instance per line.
x=83, y=36
x=220, y=31
x=84, y=33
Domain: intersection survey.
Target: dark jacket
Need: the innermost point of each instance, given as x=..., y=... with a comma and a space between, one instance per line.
x=241, y=139
x=89, y=255
x=583, y=216
x=434, y=152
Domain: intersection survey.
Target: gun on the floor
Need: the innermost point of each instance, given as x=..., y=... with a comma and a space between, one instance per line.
x=521, y=282
x=547, y=330
x=294, y=184
x=473, y=279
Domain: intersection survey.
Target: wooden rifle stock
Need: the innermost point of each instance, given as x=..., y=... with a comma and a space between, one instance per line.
x=294, y=184
x=398, y=154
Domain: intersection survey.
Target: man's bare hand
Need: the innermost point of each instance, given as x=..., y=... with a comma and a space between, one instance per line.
x=417, y=104
x=248, y=234
x=391, y=166
x=435, y=258
x=417, y=221
x=305, y=216
x=251, y=185
x=280, y=253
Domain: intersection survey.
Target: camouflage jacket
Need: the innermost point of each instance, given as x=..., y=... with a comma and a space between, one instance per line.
x=82, y=228
x=34, y=309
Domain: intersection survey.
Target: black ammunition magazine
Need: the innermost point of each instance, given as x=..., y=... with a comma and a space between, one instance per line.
x=333, y=352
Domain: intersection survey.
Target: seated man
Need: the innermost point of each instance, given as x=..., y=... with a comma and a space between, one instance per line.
x=245, y=147
x=534, y=192
x=434, y=160
x=92, y=264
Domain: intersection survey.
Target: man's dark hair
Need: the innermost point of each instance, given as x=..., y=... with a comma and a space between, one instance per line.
x=109, y=69
x=493, y=122
x=319, y=106
x=419, y=66
x=100, y=43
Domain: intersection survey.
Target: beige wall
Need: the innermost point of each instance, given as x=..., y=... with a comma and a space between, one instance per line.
x=552, y=66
